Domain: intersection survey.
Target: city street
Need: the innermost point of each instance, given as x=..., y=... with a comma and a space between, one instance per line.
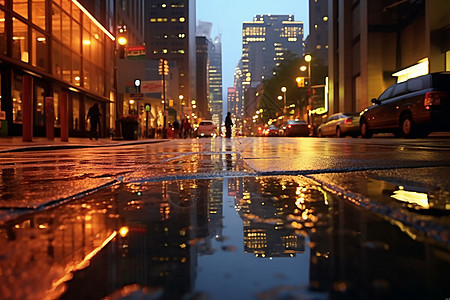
x=240, y=218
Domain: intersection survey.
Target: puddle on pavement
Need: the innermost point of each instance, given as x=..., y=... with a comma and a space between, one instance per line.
x=232, y=238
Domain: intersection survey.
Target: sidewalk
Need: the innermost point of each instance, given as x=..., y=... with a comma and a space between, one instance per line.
x=15, y=144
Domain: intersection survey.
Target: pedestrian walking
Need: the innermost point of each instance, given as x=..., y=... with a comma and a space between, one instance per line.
x=176, y=128
x=228, y=125
x=186, y=128
x=94, y=118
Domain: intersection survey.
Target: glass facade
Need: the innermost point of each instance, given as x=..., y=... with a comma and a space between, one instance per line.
x=64, y=48
x=78, y=44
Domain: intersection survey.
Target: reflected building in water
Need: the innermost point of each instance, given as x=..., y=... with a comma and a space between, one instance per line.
x=263, y=216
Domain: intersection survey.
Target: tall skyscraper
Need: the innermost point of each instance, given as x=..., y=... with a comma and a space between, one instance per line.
x=214, y=71
x=170, y=34
x=265, y=40
x=317, y=41
x=215, y=80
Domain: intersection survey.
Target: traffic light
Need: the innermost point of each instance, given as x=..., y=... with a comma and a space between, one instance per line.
x=147, y=106
x=122, y=41
x=300, y=82
x=163, y=67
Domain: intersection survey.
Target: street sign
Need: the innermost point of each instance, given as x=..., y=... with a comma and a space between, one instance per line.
x=151, y=86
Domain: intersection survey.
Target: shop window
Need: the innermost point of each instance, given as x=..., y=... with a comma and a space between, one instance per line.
x=39, y=111
x=20, y=40
x=38, y=13
x=56, y=107
x=56, y=22
x=2, y=33
x=75, y=112
x=39, y=50
x=21, y=8
x=17, y=99
x=56, y=56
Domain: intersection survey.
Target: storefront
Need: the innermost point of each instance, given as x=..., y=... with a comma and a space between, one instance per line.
x=66, y=57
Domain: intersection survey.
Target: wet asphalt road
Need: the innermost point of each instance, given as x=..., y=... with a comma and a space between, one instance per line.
x=249, y=181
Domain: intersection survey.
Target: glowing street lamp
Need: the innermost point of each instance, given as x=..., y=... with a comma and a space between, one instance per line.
x=284, y=89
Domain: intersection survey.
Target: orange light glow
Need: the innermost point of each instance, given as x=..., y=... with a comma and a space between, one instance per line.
x=123, y=231
x=84, y=10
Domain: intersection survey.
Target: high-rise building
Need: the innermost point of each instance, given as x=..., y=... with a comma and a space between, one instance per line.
x=202, y=101
x=215, y=93
x=372, y=43
x=265, y=41
x=317, y=41
x=170, y=32
x=215, y=80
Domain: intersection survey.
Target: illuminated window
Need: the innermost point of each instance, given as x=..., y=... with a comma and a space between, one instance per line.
x=21, y=7
x=182, y=19
x=20, y=40
x=39, y=50
x=2, y=33
x=38, y=12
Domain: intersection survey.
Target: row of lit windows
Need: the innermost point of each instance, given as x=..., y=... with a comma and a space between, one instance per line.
x=254, y=31
x=173, y=5
x=173, y=36
x=164, y=20
x=166, y=51
x=255, y=40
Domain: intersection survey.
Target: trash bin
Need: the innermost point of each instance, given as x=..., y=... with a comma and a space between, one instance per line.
x=129, y=128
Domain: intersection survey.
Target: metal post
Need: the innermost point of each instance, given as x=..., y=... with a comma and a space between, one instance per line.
x=165, y=105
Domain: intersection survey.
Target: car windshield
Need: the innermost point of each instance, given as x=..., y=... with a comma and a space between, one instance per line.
x=352, y=114
x=296, y=122
x=206, y=123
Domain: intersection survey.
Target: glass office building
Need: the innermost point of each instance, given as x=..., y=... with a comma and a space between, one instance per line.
x=64, y=49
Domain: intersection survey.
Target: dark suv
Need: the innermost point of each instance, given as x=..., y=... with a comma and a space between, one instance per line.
x=411, y=108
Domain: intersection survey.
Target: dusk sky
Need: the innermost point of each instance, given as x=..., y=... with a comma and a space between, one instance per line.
x=227, y=18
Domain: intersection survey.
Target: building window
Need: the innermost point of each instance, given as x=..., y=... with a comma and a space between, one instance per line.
x=21, y=8
x=20, y=40
x=17, y=99
x=2, y=33
x=39, y=57
x=38, y=12
x=56, y=57
x=56, y=22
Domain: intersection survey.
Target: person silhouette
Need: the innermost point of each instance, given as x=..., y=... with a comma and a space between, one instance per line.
x=94, y=118
x=228, y=125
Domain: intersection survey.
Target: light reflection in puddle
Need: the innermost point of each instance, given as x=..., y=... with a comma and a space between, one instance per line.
x=236, y=238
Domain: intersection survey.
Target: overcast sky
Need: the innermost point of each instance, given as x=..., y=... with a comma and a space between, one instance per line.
x=227, y=18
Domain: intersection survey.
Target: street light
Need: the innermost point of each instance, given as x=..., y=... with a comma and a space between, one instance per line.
x=284, y=89
x=308, y=60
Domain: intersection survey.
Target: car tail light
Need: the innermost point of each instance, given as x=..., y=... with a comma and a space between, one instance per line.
x=433, y=98
x=348, y=121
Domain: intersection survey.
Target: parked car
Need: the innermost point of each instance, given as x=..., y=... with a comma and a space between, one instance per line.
x=295, y=128
x=411, y=108
x=206, y=128
x=340, y=125
x=271, y=130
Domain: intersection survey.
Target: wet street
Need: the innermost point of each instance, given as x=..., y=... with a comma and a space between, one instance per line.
x=241, y=218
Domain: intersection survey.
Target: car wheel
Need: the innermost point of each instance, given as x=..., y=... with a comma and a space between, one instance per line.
x=406, y=126
x=365, y=131
x=338, y=132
